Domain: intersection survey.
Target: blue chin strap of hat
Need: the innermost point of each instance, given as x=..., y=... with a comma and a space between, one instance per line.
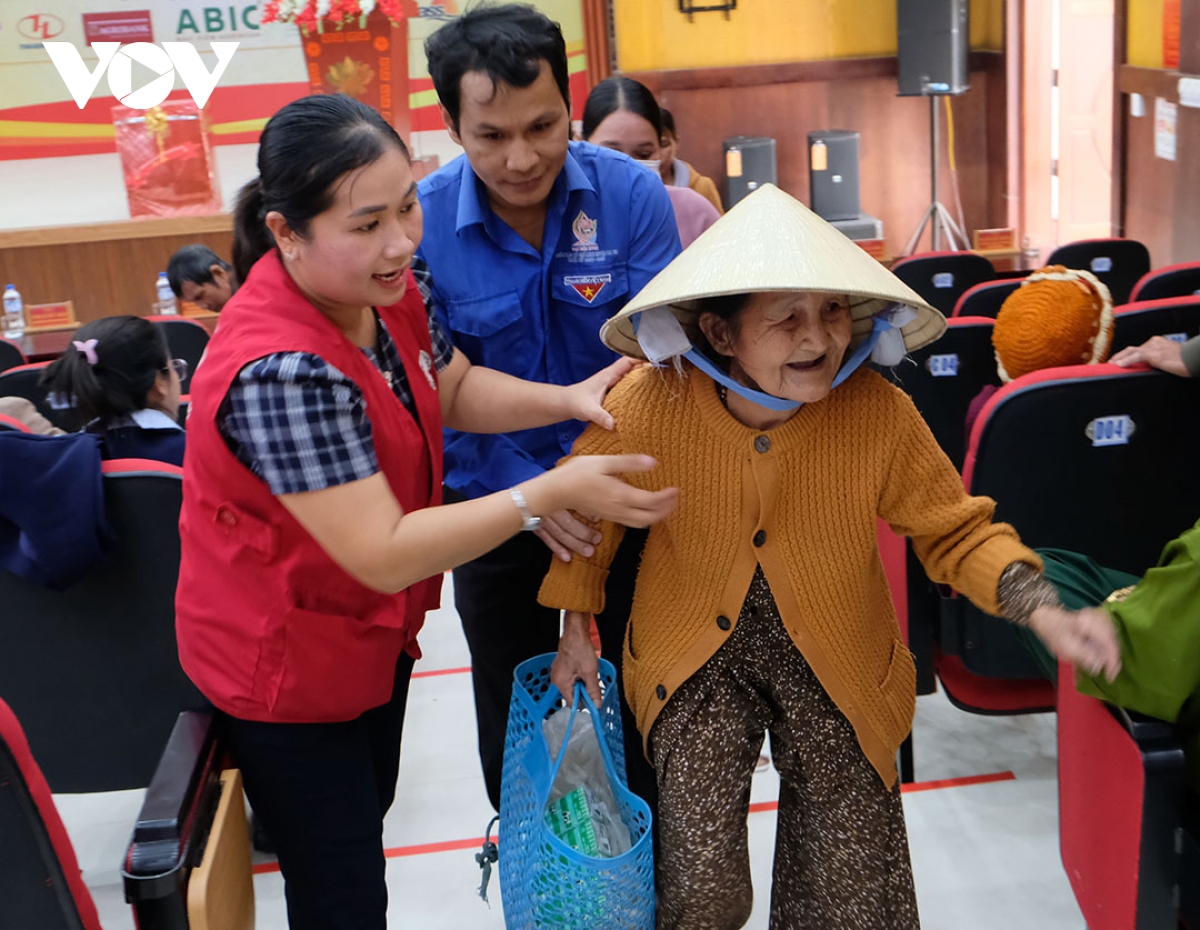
x=879, y=325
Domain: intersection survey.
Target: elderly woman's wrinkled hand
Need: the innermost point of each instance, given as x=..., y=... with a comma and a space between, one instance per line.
x=1157, y=352
x=1085, y=638
x=576, y=659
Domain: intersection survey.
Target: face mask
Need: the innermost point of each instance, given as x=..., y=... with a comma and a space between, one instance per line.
x=649, y=163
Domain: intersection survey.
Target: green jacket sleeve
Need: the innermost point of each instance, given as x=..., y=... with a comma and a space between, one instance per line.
x=1191, y=356
x=1159, y=627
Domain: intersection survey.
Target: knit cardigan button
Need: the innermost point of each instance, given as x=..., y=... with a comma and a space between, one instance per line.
x=661, y=693
x=760, y=538
x=762, y=444
x=723, y=622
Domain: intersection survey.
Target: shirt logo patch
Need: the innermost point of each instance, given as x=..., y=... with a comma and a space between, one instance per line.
x=588, y=286
x=425, y=360
x=585, y=229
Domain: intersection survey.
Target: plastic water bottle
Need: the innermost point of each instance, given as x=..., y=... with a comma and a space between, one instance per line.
x=166, y=296
x=14, y=313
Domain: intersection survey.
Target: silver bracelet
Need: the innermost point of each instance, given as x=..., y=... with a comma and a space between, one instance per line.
x=529, y=522
x=1022, y=590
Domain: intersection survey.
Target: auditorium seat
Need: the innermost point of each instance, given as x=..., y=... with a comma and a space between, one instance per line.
x=186, y=339
x=986, y=299
x=1181, y=280
x=93, y=671
x=10, y=355
x=942, y=277
x=7, y=422
x=1126, y=845
x=1176, y=318
x=193, y=818
x=1119, y=263
x=41, y=887
x=1094, y=459
x=22, y=381
x=188, y=861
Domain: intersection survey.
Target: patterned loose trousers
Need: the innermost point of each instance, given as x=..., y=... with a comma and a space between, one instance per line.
x=841, y=851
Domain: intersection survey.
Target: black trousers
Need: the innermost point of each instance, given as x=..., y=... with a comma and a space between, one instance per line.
x=496, y=597
x=320, y=791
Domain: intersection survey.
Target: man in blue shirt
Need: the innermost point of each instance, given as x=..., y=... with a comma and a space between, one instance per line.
x=533, y=242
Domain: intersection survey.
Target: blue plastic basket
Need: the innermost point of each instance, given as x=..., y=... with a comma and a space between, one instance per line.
x=543, y=881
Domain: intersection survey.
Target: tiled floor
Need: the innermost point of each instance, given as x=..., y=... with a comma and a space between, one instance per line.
x=985, y=855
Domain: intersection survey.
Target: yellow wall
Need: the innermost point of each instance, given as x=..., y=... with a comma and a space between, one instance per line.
x=653, y=35
x=1145, y=34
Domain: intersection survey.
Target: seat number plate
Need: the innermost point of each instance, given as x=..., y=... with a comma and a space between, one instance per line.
x=1110, y=431
x=943, y=366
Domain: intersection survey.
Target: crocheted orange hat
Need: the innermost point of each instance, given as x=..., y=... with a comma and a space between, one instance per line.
x=1058, y=316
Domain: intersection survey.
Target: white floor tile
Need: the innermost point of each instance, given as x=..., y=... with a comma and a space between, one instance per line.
x=984, y=855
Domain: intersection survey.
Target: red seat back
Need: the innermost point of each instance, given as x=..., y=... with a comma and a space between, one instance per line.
x=40, y=884
x=986, y=299
x=1181, y=280
x=1176, y=318
x=1120, y=791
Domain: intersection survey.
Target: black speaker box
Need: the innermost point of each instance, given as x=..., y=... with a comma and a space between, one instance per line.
x=749, y=164
x=933, y=39
x=833, y=174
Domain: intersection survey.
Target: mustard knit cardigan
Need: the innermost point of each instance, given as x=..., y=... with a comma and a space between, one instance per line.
x=802, y=501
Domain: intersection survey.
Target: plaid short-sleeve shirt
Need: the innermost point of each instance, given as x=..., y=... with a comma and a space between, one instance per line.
x=300, y=424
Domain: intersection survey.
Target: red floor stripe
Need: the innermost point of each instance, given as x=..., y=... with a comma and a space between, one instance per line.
x=936, y=785
x=422, y=849
x=958, y=782
x=397, y=852
x=430, y=673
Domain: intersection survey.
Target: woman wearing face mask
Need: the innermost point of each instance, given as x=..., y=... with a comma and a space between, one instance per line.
x=313, y=543
x=621, y=114
x=761, y=604
x=678, y=173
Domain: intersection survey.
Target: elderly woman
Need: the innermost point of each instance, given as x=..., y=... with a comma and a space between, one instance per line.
x=761, y=603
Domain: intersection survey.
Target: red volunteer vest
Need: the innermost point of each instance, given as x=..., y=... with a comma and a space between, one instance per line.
x=269, y=626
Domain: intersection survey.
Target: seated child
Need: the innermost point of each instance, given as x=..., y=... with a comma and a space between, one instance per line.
x=1057, y=317
x=120, y=376
x=761, y=602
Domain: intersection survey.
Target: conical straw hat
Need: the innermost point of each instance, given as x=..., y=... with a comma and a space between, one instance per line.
x=771, y=242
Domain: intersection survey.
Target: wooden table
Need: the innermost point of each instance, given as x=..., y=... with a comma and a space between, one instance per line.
x=48, y=344
x=45, y=345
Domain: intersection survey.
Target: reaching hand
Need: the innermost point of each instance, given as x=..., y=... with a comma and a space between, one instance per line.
x=1085, y=638
x=1157, y=352
x=585, y=399
x=590, y=484
x=563, y=534
x=576, y=659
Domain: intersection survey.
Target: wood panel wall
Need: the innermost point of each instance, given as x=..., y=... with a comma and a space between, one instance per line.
x=106, y=268
x=787, y=101
x=1160, y=199
x=1148, y=183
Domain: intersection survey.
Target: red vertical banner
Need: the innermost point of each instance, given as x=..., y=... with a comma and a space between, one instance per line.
x=595, y=41
x=369, y=64
x=1171, y=34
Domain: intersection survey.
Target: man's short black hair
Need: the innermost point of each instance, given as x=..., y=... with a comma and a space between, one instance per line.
x=193, y=263
x=507, y=41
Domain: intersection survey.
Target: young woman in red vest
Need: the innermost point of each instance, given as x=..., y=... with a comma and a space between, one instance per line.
x=312, y=540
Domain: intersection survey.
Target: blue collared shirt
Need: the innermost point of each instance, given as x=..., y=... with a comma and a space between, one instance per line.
x=609, y=229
